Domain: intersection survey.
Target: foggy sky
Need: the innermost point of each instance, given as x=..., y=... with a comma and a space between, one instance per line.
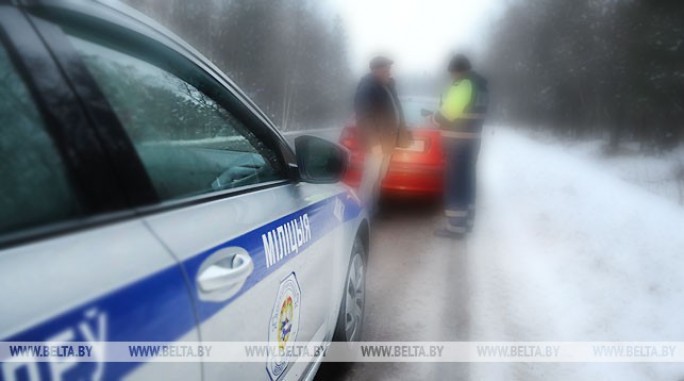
x=418, y=34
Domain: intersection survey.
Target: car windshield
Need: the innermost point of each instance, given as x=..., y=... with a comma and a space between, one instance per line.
x=413, y=106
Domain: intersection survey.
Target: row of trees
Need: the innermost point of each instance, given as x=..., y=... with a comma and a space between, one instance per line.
x=287, y=55
x=586, y=67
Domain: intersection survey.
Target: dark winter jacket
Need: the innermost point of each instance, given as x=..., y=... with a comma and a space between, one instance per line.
x=378, y=111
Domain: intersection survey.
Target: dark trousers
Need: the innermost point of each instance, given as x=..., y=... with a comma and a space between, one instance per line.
x=460, y=182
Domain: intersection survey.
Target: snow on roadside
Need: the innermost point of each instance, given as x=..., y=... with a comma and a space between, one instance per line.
x=564, y=250
x=656, y=173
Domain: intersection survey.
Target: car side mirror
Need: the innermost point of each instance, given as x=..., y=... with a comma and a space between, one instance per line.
x=320, y=161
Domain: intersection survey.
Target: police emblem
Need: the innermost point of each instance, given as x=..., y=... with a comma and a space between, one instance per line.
x=283, y=326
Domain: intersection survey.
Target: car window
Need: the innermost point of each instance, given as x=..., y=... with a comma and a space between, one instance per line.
x=188, y=143
x=34, y=188
x=413, y=109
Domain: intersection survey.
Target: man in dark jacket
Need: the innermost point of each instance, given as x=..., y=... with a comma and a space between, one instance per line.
x=379, y=118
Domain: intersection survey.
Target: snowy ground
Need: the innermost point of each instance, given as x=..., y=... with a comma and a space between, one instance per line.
x=659, y=173
x=564, y=250
x=567, y=250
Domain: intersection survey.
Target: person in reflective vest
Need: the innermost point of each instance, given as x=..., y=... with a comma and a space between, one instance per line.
x=460, y=118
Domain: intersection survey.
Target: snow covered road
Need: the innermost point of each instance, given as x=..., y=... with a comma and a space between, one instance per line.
x=563, y=250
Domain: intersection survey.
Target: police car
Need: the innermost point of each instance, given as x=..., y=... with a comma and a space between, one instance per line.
x=144, y=198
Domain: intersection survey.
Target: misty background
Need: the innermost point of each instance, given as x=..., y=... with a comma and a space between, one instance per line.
x=606, y=69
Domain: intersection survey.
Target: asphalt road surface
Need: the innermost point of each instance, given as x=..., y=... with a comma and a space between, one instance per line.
x=417, y=290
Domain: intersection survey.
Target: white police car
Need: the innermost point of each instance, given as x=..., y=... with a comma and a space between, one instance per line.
x=144, y=198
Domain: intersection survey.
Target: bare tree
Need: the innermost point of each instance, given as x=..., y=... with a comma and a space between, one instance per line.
x=612, y=68
x=288, y=56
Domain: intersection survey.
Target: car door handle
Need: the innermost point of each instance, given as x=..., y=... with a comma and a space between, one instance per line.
x=224, y=273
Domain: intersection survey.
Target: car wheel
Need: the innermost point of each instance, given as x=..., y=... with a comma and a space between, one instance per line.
x=350, y=318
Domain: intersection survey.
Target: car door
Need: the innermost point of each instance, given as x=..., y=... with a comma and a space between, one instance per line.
x=76, y=265
x=257, y=247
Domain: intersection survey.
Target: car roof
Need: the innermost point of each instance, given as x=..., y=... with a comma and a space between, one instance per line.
x=118, y=13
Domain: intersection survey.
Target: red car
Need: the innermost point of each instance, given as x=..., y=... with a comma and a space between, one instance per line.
x=417, y=170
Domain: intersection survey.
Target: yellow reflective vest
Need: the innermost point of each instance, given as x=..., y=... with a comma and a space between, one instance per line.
x=464, y=107
x=456, y=100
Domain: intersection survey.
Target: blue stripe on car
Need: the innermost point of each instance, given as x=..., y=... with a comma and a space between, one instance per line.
x=147, y=310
